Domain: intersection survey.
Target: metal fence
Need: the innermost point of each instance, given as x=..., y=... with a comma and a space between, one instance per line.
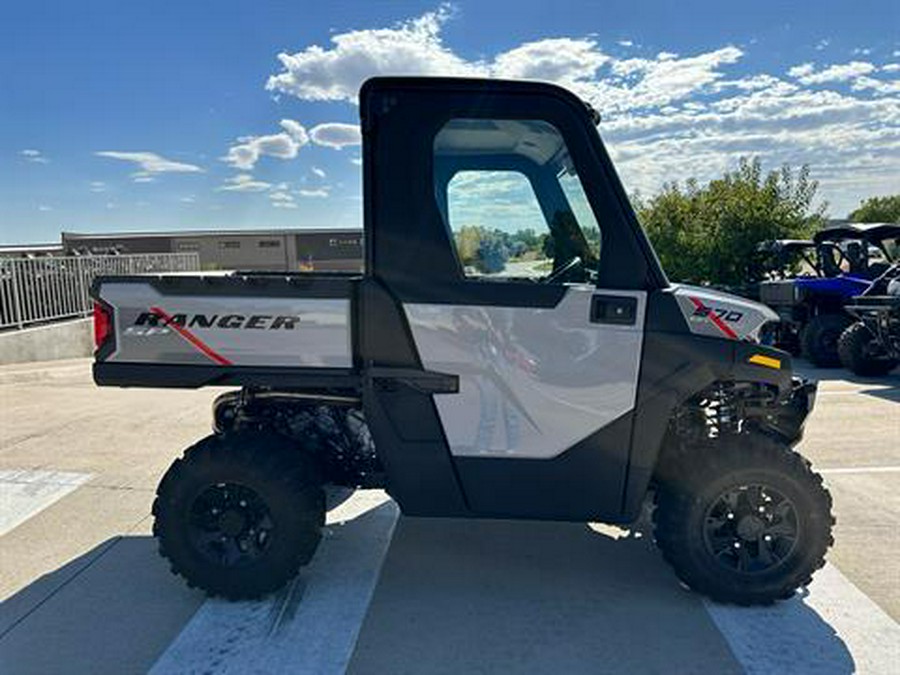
x=49, y=289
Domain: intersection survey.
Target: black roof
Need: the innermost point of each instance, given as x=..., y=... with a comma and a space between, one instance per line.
x=785, y=244
x=869, y=232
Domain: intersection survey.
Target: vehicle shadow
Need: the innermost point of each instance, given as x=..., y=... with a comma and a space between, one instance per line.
x=885, y=386
x=806, y=369
x=462, y=596
x=111, y=610
x=454, y=596
x=118, y=609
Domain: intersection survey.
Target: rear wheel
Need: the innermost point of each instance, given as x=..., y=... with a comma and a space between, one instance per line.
x=746, y=523
x=239, y=514
x=820, y=339
x=860, y=352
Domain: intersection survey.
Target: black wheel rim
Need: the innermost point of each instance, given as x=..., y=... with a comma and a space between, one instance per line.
x=871, y=349
x=751, y=529
x=230, y=525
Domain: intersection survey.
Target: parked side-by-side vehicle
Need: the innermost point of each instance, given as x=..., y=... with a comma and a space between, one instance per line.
x=811, y=304
x=871, y=344
x=566, y=380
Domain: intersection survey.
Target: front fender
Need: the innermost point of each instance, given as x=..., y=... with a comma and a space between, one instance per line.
x=677, y=366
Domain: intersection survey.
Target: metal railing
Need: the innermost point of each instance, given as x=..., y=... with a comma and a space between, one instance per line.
x=38, y=290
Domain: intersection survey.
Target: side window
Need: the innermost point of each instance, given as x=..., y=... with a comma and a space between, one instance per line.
x=581, y=208
x=513, y=202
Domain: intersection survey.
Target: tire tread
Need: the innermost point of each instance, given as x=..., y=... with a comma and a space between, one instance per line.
x=687, y=471
x=289, y=470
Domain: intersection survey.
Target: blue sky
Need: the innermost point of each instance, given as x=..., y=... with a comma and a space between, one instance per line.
x=178, y=115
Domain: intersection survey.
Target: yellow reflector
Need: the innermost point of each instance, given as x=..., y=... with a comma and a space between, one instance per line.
x=768, y=361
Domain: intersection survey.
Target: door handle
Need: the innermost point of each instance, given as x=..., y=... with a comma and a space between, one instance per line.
x=618, y=310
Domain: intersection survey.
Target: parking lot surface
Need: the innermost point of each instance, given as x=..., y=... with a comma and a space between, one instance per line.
x=83, y=590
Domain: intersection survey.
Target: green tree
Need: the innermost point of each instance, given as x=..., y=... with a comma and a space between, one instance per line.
x=877, y=210
x=709, y=233
x=468, y=239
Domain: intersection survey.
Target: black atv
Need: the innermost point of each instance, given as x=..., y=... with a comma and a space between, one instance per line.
x=871, y=345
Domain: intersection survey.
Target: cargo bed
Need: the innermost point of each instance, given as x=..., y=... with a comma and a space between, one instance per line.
x=249, y=329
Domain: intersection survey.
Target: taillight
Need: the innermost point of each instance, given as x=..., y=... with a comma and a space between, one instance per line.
x=102, y=324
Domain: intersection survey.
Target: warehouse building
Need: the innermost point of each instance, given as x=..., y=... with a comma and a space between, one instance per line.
x=329, y=250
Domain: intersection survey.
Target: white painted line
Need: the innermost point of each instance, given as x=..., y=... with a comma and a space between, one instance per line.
x=852, y=392
x=834, y=628
x=860, y=469
x=24, y=493
x=310, y=627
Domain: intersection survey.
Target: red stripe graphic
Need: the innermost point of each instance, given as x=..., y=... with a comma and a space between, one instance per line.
x=715, y=319
x=190, y=337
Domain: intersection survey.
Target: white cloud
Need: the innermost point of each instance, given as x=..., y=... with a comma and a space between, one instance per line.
x=34, y=156
x=842, y=72
x=279, y=194
x=316, y=171
x=625, y=43
x=665, y=116
x=44, y=207
x=802, y=70
x=416, y=47
x=564, y=60
x=189, y=199
x=317, y=192
x=280, y=198
x=142, y=177
x=335, y=134
x=283, y=145
x=296, y=131
x=750, y=83
x=667, y=79
x=891, y=67
x=244, y=182
x=356, y=160
x=150, y=162
x=879, y=86
x=410, y=48
x=862, y=51
x=97, y=186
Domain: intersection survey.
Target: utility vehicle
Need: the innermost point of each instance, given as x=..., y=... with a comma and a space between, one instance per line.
x=811, y=306
x=871, y=345
x=513, y=350
x=792, y=258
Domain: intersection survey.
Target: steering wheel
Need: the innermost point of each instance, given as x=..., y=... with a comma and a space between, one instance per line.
x=562, y=271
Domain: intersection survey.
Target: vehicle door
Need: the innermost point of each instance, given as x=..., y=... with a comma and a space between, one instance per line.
x=517, y=275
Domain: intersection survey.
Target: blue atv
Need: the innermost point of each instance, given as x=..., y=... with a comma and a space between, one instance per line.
x=811, y=305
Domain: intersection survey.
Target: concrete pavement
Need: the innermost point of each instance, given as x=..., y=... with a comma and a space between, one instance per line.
x=83, y=590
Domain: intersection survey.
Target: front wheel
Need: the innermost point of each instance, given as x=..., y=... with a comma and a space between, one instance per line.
x=860, y=352
x=239, y=514
x=820, y=339
x=745, y=521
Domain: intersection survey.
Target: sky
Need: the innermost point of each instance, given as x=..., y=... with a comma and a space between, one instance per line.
x=125, y=116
